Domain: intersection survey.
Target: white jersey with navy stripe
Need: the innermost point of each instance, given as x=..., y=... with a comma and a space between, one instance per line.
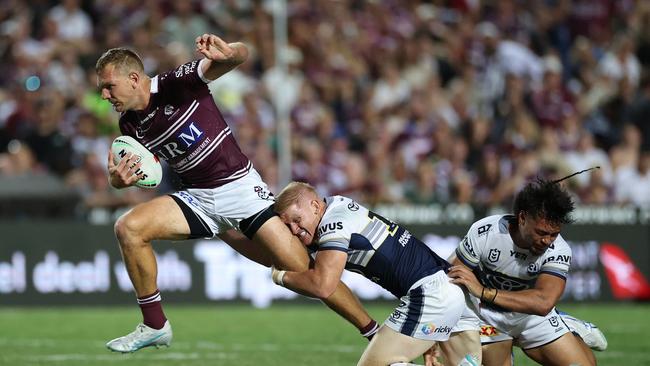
x=490, y=251
x=379, y=249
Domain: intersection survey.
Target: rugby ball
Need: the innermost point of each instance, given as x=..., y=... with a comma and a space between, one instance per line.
x=150, y=169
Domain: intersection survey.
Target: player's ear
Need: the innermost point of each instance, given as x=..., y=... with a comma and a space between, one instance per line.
x=134, y=77
x=521, y=218
x=315, y=205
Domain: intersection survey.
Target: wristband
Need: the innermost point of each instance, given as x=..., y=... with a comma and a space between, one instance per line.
x=496, y=292
x=278, y=276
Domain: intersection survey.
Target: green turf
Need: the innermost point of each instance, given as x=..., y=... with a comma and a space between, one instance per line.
x=240, y=335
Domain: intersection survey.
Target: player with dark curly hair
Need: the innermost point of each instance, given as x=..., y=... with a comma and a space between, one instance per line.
x=517, y=266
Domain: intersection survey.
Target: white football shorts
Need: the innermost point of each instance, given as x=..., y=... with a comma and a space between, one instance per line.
x=224, y=207
x=469, y=319
x=526, y=330
x=429, y=310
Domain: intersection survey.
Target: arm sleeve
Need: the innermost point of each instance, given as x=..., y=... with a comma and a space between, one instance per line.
x=558, y=260
x=468, y=250
x=184, y=82
x=335, y=233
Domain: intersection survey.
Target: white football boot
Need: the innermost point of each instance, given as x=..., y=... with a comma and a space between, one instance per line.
x=142, y=336
x=589, y=332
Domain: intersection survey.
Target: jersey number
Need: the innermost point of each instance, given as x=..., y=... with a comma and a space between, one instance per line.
x=391, y=226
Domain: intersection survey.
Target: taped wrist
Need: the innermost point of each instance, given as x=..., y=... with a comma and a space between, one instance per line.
x=278, y=277
x=369, y=330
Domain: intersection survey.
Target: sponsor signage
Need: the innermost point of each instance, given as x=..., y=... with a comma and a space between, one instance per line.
x=77, y=263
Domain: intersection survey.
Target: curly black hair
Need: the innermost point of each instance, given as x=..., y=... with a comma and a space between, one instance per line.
x=545, y=199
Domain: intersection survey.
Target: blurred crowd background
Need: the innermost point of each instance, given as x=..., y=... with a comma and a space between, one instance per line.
x=395, y=101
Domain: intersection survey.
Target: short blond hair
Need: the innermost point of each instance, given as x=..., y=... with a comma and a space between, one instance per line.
x=125, y=60
x=291, y=194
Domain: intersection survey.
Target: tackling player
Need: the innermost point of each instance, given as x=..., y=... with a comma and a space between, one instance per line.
x=346, y=235
x=522, y=262
x=174, y=116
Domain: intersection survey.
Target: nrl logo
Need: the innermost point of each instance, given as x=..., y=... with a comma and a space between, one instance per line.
x=494, y=255
x=169, y=109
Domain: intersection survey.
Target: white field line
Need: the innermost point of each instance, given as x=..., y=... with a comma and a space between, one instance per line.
x=190, y=346
x=163, y=356
x=202, y=350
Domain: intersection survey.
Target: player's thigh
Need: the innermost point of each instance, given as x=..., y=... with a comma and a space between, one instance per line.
x=160, y=218
x=285, y=249
x=461, y=344
x=246, y=247
x=590, y=354
x=565, y=350
x=497, y=353
x=389, y=346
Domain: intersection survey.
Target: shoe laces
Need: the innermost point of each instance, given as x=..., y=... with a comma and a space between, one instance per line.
x=133, y=335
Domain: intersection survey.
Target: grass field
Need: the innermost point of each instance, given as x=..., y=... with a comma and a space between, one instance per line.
x=240, y=335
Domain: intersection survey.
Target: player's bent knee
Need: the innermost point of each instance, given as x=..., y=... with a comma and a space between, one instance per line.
x=129, y=229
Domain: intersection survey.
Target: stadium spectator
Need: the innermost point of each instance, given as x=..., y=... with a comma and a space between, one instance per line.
x=454, y=64
x=553, y=102
x=633, y=183
x=183, y=24
x=73, y=24
x=586, y=155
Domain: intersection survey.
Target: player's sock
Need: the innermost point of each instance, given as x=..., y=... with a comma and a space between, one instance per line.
x=369, y=330
x=152, y=312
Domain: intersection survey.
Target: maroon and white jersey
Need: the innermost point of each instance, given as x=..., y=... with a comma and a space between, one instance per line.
x=183, y=126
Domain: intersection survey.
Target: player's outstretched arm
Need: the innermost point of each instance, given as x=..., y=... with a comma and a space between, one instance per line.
x=324, y=281
x=220, y=57
x=320, y=281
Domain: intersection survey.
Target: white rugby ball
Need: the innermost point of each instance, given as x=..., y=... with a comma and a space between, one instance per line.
x=150, y=168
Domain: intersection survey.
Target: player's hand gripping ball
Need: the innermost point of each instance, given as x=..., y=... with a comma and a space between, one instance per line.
x=150, y=170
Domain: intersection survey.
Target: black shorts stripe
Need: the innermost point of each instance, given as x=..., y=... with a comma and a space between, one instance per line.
x=198, y=227
x=416, y=305
x=250, y=225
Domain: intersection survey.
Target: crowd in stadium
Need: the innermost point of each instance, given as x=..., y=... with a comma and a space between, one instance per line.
x=390, y=101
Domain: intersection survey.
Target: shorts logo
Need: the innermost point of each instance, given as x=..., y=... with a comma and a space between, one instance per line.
x=188, y=198
x=488, y=331
x=353, y=206
x=428, y=328
x=494, y=255
x=553, y=321
x=264, y=194
x=394, y=317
